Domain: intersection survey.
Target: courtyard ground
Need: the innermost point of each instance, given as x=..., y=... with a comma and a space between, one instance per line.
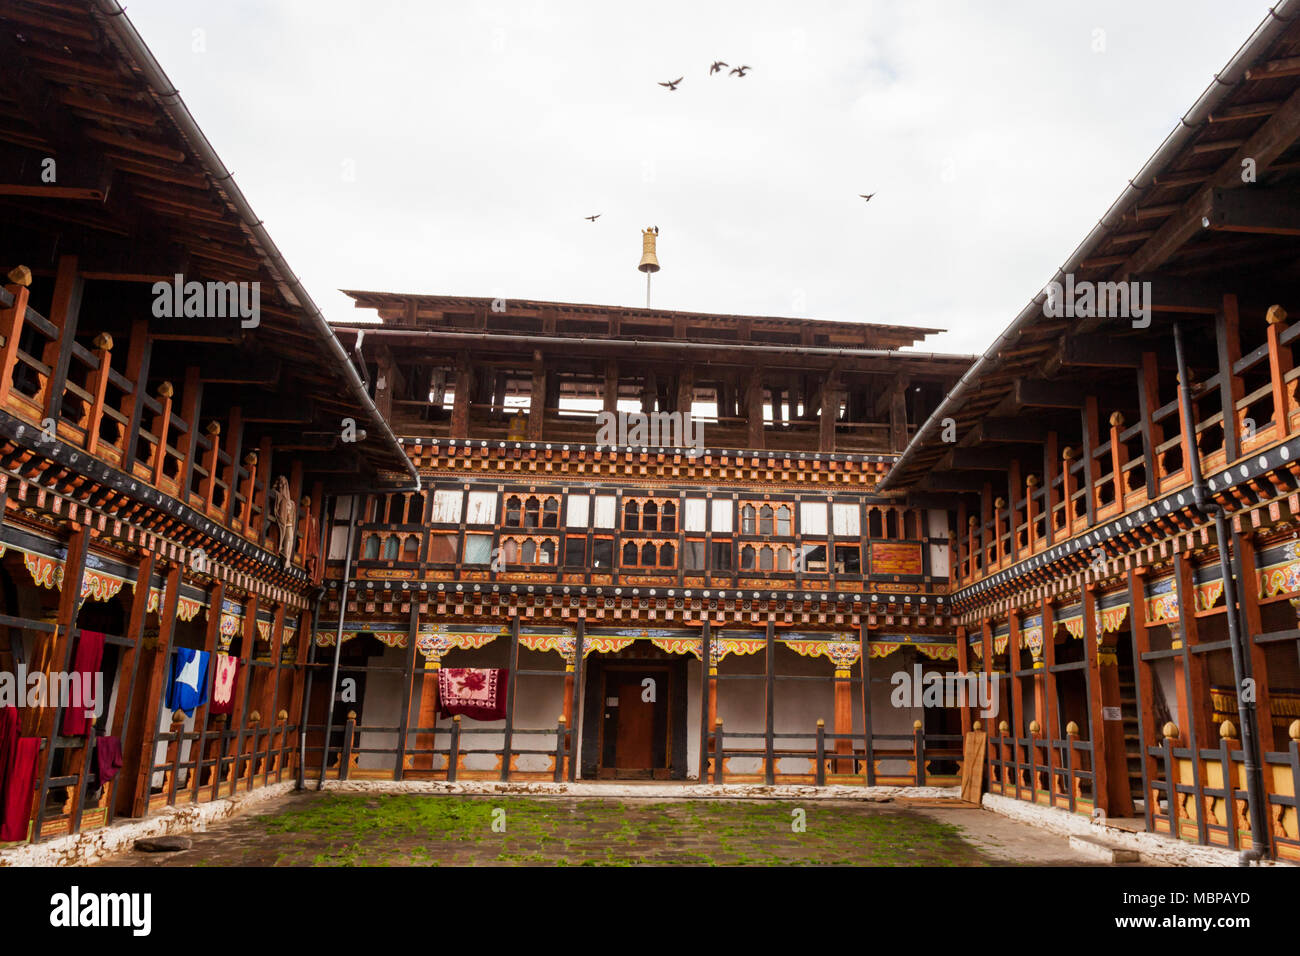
x=336, y=829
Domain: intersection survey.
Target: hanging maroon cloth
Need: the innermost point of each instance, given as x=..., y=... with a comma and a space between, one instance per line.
x=16, y=811
x=107, y=758
x=86, y=663
x=478, y=693
x=223, y=684
x=8, y=744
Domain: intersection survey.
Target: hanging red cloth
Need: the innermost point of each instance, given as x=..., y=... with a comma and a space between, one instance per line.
x=85, y=664
x=16, y=811
x=8, y=744
x=223, y=684
x=478, y=693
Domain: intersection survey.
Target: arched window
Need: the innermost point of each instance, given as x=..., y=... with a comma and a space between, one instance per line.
x=909, y=525
x=667, y=556
x=891, y=524
x=650, y=517
x=668, y=519
x=551, y=513
x=411, y=549
x=390, y=548
x=546, y=553
x=529, y=552
x=765, y=525
x=415, y=509
x=629, y=554
x=747, y=558
x=372, y=547
x=874, y=527
x=765, y=558
x=747, y=519
x=631, y=516
x=783, y=559
x=532, y=513
x=514, y=512
x=783, y=520
x=510, y=551
x=648, y=555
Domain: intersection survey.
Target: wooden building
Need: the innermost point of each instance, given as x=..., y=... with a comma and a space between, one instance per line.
x=755, y=594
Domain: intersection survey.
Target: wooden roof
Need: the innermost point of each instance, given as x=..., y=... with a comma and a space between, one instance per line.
x=140, y=196
x=525, y=317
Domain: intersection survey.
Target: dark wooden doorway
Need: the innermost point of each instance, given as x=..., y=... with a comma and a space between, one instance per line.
x=635, y=720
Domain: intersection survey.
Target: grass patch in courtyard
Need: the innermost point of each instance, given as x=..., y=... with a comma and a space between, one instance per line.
x=411, y=830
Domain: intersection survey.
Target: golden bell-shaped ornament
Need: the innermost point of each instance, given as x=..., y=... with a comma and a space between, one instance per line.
x=649, y=261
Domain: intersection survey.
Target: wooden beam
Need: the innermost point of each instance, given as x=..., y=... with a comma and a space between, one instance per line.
x=1039, y=393
x=1254, y=209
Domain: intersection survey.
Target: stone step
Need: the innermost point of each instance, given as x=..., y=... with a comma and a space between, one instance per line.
x=1099, y=849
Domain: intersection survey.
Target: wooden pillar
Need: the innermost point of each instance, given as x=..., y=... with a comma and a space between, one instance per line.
x=199, y=747
x=188, y=444
x=1227, y=337
x=154, y=688
x=1152, y=432
x=1067, y=489
x=1015, y=488
x=1248, y=597
x=428, y=713
x=240, y=713
x=138, y=353
x=609, y=392
x=963, y=667
x=1090, y=433
x=12, y=320
x=1051, y=497
x=1280, y=362
x=57, y=353
x=1144, y=687
x=161, y=426
x=462, y=397
x=1191, y=675
x=769, y=698
x=754, y=410
x=97, y=387
x=830, y=412
x=512, y=684
x=1101, y=760
x=537, y=399
x=127, y=719
x=1118, y=458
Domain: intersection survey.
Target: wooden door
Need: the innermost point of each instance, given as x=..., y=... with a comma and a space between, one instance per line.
x=634, y=748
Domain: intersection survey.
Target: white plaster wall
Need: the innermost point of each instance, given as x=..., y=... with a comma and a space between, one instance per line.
x=382, y=707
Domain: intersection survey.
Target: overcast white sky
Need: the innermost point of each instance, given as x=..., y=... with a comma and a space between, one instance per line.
x=439, y=148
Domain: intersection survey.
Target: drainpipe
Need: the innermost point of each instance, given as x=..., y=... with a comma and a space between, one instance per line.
x=338, y=640
x=1246, y=715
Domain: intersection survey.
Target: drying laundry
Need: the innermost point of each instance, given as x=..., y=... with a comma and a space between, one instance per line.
x=475, y=692
x=106, y=761
x=223, y=684
x=189, y=683
x=16, y=811
x=85, y=689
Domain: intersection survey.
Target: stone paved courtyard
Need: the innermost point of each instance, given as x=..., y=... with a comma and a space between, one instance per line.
x=336, y=829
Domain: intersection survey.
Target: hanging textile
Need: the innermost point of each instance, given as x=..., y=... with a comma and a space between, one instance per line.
x=85, y=664
x=478, y=693
x=106, y=761
x=189, y=683
x=8, y=744
x=16, y=811
x=223, y=684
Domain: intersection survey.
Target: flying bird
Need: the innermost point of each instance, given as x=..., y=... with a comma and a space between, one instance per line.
x=672, y=85
x=593, y=218
x=717, y=65
x=740, y=70
x=866, y=196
